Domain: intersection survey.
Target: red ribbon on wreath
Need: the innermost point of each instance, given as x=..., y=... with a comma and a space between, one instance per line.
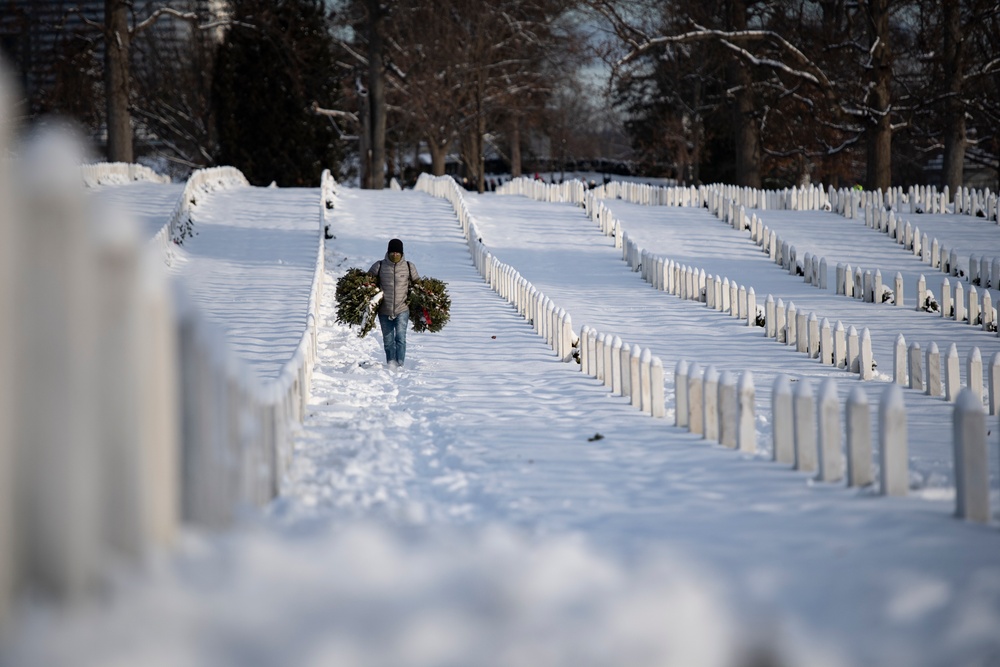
x=427, y=317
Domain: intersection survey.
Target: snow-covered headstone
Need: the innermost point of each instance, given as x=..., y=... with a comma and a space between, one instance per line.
x=746, y=434
x=635, y=376
x=780, y=335
x=681, y=393
x=831, y=458
x=625, y=361
x=946, y=305
x=769, y=317
x=812, y=327
x=790, y=324
x=783, y=420
x=616, y=365
x=866, y=362
x=959, y=302
x=974, y=373
x=893, y=447
x=710, y=404
x=933, y=366
x=839, y=345
x=728, y=410
x=695, y=392
x=952, y=382
x=656, y=405
x=914, y=365
x=853, y=350
x=826, y=353
x=859, y=440
x=804, y=406
x=802, y=332
x=899, y=359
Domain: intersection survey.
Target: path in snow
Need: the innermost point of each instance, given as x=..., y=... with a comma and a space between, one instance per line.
x=250, y=266
x=479, y=430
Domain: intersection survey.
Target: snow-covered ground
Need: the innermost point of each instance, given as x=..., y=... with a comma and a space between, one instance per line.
x=249, y=266
x=465, y=510
x=149, y=204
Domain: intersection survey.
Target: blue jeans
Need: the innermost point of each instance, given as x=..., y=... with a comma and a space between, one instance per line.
x=394, y=336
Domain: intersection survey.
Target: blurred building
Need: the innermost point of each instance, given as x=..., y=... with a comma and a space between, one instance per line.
x=55, y=46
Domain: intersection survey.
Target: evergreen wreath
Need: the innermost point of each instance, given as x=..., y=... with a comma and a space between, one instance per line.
x=358, y=297
x=429, y=305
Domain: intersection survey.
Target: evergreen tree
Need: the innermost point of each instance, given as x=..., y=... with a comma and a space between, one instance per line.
x=275, y=62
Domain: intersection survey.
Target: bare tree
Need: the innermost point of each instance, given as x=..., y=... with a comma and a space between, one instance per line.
x=118, y=31
x=843, y=78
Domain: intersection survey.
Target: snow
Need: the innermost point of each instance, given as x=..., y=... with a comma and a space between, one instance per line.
x=149, y=204
x=250, y=266
x=463, y=511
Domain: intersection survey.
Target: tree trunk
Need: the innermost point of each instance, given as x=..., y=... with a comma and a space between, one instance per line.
x=954, y=72
x=879, y=131
x=116, y=81
x=376, y=94
x=438, y=152
x=364, y=144
x=747, y=132
x=481, y=155
x=515, y=146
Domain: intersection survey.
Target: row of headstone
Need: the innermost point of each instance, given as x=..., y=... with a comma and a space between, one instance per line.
x=930, y=251
x=917, y=200
x=807, y=434
x=868, y=286
x=922, y=370
x=549, y=321
x=973, y=309
x=691, y=284
x=978, y=203
x=650, y=195
x=626, y=370
x=718, y=407
x=832, y=345
x=159, y=423
x=571, y=191
x=813, y=269
x=577, y=192
x=804, y=198
x=846, y=349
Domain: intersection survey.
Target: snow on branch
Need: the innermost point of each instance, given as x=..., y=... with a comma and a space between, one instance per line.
x=334, y=113
x=731, y=38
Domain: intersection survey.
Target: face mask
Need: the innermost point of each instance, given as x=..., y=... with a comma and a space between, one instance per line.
x=395, y=257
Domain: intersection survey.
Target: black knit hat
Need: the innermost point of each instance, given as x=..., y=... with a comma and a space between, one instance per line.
x=396, y=245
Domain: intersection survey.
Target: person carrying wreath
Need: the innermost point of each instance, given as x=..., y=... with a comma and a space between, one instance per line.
x=394, y=276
